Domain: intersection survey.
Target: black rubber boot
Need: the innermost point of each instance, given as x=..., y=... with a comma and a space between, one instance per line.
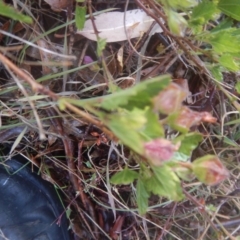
x=29, y=206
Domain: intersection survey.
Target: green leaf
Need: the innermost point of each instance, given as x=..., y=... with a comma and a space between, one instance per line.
x=179, y=156
x=10, y=12
x=142, y=197
x=141, y=95
x=138, y=96
x=134, y=127
x=201, y=14
x=237, y=87
x=176, y=23
x=170, y=182
x=178, y=4
x=101, y=44
x=230, y=8
x=223, y=41
x=185, y=174
x=164, y=182
x=228, y=62
x=155, y=186
x=126, y=126
x=146, y=172
x=235, y=32
x=125, y=177
x=152, y=128
x=80, y=17
x=183, y=171
x=223, y=25
x=216, y=71
x=204, y=10
x=189, y=142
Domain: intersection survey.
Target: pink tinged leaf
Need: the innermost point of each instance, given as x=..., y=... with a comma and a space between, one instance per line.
x=207, y=117
x=188, y=118
x=170, y=99
x=87, y=59
x=93, y=67
x=210, y=170
x=159, y=150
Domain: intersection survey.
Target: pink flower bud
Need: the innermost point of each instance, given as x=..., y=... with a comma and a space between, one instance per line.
x=209, y=170
x=159, y=150
x=170, y=99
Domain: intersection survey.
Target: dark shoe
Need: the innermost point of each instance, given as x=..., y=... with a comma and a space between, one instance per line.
x=29, y=206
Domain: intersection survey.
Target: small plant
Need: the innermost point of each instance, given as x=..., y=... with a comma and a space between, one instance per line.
x=132, y=115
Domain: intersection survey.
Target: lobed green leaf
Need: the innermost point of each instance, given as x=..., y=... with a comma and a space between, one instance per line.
x=189, y=142
x=138, y=96
x=231, y=8
x=228, y=61
x=223, y=41
x=134, y=127
x=142, y=197
x=164, y=182
x=125, y=177
x=205, y=11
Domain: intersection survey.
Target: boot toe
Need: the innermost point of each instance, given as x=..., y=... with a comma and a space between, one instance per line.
x=29, y=206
